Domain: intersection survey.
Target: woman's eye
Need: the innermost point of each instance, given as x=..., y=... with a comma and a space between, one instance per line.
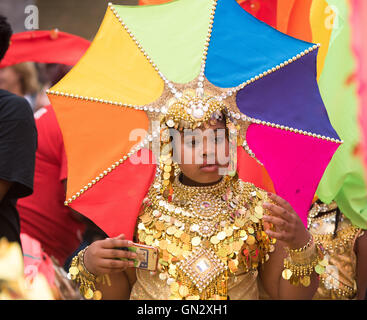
x=191, y=142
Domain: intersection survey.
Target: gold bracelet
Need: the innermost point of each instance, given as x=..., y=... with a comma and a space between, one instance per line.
x=79, y=273
x=89, y=275
x=304, y=257
x=302, y=249
x=299, y=273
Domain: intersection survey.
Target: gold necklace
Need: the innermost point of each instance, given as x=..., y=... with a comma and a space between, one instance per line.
x=204, y=235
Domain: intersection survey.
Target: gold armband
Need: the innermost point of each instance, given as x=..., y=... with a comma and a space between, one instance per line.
x=300, y=263
x=79, y=273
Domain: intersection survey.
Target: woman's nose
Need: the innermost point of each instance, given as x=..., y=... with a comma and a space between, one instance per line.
x=208, y=149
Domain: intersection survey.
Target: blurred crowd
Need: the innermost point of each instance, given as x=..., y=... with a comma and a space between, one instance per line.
x=31, y=80
x=37, y=232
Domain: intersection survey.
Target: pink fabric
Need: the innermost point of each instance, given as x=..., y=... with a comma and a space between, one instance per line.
x=359, y=27
x=294, y=162
x=36, y=260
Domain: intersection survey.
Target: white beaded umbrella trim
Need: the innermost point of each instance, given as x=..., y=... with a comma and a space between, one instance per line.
x=233, y=90
x=241, y=116
x=135, y=149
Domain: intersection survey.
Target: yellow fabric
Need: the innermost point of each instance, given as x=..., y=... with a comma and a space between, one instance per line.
x=113, y=68
x=320, y=19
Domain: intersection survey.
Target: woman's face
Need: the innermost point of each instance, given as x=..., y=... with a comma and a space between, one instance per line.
x=202, y=154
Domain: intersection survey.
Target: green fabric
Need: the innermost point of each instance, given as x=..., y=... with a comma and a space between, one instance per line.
x=343, y=180
x=173, y=34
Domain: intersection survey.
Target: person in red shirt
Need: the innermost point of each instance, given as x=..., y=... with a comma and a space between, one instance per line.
x=43, y=215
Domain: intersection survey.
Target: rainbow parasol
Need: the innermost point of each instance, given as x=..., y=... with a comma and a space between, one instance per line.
x=142, y=56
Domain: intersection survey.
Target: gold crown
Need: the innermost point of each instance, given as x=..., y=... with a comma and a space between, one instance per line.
x=192, y=110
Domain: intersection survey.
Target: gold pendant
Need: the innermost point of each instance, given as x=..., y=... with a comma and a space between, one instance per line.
x=202, y=267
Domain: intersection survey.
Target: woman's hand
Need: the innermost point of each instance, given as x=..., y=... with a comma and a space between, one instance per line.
x=289, y=227
x=102, y=256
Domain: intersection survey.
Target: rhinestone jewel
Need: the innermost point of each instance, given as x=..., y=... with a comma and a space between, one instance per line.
x=194, y=228
x=202, y=266
x=170, y=123
x=205, y=205
x=206, y=229
x=198, y=113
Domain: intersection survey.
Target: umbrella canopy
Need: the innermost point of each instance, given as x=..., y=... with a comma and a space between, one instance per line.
x=334, y=24
x=142, y=56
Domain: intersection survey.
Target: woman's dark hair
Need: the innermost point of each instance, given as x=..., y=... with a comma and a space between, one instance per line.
x=5, y=35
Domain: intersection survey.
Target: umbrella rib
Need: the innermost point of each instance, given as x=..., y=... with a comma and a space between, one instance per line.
x=147, y=107
x=133, y=150
x=234, y=90
x=169, y=84
x=201, y=77
x=243, y=117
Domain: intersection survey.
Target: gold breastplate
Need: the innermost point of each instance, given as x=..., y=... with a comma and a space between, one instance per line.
x=205, y=236
x=339, y=280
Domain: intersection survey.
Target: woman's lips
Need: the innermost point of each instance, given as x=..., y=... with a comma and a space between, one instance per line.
x=209, y=168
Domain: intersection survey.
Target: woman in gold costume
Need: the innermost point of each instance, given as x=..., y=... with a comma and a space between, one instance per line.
x=346, y=246
x=216, y=235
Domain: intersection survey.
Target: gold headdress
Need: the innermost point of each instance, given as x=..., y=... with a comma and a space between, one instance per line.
x=192, y=110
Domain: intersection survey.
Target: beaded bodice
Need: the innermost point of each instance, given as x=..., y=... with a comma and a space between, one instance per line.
x=205, y=236
x=339, y=279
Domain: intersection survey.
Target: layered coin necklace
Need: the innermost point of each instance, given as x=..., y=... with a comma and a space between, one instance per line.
x=205, y=235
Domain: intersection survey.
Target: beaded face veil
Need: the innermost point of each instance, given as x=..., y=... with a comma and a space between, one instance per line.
x=181, y=63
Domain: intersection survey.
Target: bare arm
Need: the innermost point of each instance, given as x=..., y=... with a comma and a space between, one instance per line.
x=276, y=286
x=119, y=288
x=102, y=258
x=121, y=285
x=361, y=251
x=4, y=188
x=289, y=232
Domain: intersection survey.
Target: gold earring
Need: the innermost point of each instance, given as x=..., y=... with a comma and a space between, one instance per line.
x=167, y=170
x=233, y=138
